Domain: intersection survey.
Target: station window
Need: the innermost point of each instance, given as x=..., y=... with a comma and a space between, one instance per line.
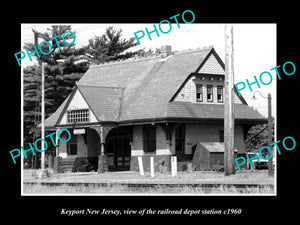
x=199, y=93
x=79, y=116
x=72, y=146
x=209, y=91
x=179, y=138
x=220, y=93
x=149, y=138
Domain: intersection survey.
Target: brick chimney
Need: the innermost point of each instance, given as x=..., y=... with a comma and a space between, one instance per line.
x=165, y=50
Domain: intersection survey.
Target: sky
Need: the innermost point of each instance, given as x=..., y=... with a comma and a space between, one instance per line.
x=254, y=48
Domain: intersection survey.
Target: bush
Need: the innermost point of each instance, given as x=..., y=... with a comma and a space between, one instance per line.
x=81, y=164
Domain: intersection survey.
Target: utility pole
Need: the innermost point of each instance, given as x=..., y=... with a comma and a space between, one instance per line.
x=43, y=172
x=270, y=136
x=229, y=104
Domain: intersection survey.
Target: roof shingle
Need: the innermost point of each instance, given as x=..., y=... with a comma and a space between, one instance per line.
x=142, y=89
x=210, y=111
x=104, y=101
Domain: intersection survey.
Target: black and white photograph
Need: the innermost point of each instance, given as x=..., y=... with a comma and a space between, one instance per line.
x=170, y=113
x=113, y=116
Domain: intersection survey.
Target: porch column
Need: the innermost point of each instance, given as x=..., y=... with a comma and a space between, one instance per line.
x=102, y=147
x=102, y=159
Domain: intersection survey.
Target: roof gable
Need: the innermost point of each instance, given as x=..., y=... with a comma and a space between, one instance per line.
x=76, y=102
x=211, y=66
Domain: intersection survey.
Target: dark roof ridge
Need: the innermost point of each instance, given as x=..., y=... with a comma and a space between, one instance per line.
x=199, y=49
x=101, y=86
x=133, y=59
x=137, y=59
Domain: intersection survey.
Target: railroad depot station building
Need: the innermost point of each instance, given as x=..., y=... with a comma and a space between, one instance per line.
x=157, y=106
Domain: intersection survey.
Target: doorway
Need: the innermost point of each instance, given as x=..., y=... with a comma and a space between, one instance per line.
x=118, y=149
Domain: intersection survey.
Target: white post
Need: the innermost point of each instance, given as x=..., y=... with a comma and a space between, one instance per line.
x=152, y=166
x=174, y=166
x=141, y=165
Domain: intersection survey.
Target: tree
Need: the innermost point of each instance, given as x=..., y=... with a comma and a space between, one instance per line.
x=257, y=137
x=63, y=67
x=31, y=104
x=110, y=47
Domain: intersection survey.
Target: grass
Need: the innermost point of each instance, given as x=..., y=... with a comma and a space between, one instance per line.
x=245, y=177
x=120, y=189
x=117, y=178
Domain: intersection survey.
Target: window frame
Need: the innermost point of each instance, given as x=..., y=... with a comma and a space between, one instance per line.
x=78, y=116
x=147, y=139
x=200, y=86
x=212, y=93
x=179, y=134
x=220, y=87
x=73, y=141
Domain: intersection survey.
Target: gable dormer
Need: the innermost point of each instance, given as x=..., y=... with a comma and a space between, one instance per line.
x=212, y=65
x=77, y=110
x=206, y=85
